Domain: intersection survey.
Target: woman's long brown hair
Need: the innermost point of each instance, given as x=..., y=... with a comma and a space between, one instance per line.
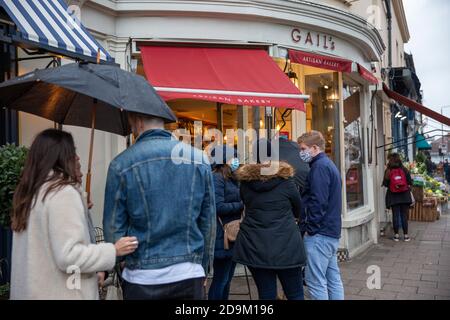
x=52, y=159
x=394, y=162
x=225, y=170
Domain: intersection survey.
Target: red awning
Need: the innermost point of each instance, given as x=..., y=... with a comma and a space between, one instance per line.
x=228, y=75
x=366, y=74
x=319, y=61
x=416, y=106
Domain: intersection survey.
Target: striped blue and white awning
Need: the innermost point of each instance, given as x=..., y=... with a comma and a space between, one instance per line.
x=52, y=26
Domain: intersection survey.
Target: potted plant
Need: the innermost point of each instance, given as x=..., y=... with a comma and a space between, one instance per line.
x=4, y=292
x=12, y=161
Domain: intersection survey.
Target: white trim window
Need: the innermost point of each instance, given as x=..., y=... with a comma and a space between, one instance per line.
x=354, y=160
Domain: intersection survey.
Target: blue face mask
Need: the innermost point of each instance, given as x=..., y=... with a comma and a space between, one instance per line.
x=234, y=165
x=306, y=156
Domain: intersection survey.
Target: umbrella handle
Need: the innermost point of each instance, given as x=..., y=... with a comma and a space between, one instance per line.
x=91, y=152
x=91, y=147
x=88, y=187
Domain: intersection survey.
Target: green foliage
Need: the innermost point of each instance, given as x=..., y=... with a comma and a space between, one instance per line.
x=421, y=168
x=4, y=291
x=12, y=161
x=420, y=158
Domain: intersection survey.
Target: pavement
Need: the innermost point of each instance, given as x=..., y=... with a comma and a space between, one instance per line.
x=416, y=270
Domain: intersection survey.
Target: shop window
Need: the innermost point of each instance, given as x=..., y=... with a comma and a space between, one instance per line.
x=283, y=122
x=212, y=115
x=322, y=110
x=354, y=150
x=190, y=111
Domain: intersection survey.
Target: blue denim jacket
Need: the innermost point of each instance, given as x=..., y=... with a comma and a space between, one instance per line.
x=161, y=191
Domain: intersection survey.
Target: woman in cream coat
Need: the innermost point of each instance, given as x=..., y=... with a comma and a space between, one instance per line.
x=54, y=253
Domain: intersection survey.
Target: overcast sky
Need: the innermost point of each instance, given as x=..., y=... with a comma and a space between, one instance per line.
x=429, y=26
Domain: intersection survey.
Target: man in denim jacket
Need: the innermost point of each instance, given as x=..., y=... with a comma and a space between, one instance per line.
x=160, y=190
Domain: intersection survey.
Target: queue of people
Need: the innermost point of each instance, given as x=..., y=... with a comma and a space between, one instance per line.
x=169, y=222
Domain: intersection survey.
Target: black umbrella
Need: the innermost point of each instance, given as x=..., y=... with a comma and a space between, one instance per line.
x=86, y=95
x=67, y=95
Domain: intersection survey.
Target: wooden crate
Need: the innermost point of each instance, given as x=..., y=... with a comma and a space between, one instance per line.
x=430, y=214
x=415, y=212
x=417, y=193
x=424, y=212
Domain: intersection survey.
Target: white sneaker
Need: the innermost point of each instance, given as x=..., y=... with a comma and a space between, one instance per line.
x=396, y=238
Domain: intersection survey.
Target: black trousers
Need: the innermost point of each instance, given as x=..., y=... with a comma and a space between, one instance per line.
x=190, y=289
x=400, y=218
x=266, y=282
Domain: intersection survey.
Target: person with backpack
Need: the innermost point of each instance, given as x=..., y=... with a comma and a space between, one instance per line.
x=398, y=196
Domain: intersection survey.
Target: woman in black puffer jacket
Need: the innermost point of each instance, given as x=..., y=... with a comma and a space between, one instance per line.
x=269, y=241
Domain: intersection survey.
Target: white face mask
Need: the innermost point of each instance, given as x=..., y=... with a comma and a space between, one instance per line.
x=234, y=165
x=306, y=156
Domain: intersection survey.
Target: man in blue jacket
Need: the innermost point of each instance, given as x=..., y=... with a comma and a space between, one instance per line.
x=161, y=191
x=321, y=219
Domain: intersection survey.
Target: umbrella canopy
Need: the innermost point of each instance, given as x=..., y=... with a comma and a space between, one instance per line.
x=68, y=94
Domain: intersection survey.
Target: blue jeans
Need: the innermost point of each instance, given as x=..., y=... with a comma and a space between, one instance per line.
x=266, y=282
x=323, y=277
x=223, y=274
x=400, y=217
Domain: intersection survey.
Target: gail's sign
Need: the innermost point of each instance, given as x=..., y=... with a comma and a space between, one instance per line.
x=313, y=39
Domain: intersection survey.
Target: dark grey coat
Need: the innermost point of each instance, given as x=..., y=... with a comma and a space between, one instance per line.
x=396, y=199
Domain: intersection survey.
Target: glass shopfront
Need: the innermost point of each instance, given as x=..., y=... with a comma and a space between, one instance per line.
x=353, y=141
x=322, y=109
x=323, y=114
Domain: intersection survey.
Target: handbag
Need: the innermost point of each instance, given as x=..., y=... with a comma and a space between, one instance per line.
x=413, y=200
x=230, y=231
x=114, y=291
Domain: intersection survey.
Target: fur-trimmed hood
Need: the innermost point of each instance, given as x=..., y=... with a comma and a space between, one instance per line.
x=258, y=180
x=255, y=172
